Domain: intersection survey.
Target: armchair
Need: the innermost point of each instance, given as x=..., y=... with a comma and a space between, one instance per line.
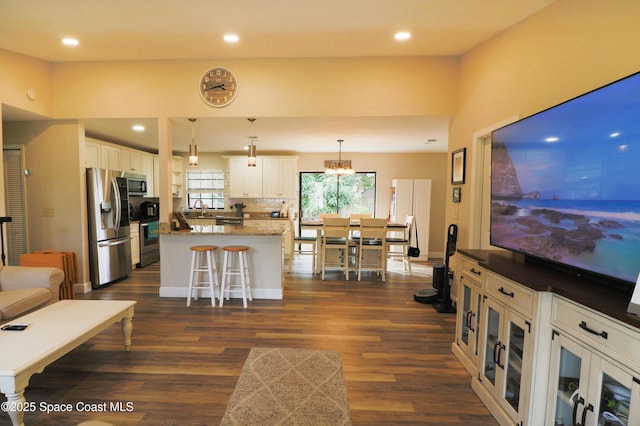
x=25, y=288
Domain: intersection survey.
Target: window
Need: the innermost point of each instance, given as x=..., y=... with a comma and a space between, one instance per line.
x=206, y=186
x=321, y=193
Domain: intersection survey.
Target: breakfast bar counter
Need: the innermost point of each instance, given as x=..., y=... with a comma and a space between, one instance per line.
x=265, y=256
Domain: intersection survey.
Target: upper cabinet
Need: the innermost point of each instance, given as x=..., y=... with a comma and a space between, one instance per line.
x=273, y=177
x=245, y=181
x=110, y=157
x=105, y=155
x=131, y=161
x=92, y=154
x=279, y=177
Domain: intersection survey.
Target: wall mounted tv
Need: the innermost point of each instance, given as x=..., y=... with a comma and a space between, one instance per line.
x=565, y=185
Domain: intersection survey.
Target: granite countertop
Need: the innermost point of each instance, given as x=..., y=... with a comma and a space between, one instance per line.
x=247, y=230
x=212, y=214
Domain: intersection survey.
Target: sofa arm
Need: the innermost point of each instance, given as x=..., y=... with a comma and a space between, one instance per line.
x=16, y=277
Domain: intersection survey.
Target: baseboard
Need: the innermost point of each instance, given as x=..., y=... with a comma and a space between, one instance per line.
x=492, y=405
x=468, y=365
x=82, y=288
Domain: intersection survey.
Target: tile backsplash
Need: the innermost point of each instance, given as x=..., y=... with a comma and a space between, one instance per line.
x=261, y=204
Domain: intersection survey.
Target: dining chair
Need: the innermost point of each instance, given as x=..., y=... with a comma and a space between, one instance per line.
x=300, y=241
x=335, y=237
x=403, y=244
x=372, y=238
x=322, y=216
x=358, y=216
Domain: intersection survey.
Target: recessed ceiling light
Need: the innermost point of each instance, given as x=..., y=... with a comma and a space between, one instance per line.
x=552, y=139
x=138, y=128
x=614, y=135
x=402, y=35
x=70, y=41
x=231, y=38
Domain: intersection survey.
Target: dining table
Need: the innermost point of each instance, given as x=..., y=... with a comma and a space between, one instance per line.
x=354, y=225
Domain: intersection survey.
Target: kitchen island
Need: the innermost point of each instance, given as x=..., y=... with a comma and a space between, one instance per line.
x=265, y=256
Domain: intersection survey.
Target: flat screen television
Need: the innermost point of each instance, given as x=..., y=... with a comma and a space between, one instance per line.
x=565, y=185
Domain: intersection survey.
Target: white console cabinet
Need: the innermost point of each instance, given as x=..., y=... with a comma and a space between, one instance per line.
x=506, y=348
x=594, y=369
x=544, y=347
x=470, y=293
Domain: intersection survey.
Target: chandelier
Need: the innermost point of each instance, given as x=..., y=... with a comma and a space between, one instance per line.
x=193, y=148
x=340, y=167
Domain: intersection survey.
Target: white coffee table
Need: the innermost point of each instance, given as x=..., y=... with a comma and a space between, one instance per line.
x=53, y=331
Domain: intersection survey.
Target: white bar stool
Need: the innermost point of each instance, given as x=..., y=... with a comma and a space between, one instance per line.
x=199, y=267
x=242, y=270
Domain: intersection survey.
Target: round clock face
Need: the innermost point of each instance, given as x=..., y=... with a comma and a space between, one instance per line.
x=218, y=87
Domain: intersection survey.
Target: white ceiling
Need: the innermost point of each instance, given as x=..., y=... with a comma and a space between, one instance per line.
x=193, y=29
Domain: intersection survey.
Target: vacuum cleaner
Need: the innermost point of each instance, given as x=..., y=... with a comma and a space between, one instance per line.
x=440, y=294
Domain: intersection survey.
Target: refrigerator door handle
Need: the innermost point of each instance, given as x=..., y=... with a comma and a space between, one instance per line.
x=115, y=242
x=116, y=192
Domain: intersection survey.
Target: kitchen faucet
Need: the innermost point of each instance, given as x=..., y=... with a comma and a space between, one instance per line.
x=195, y=204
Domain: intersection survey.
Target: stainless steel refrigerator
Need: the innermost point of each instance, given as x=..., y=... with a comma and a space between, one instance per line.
x=108, y=217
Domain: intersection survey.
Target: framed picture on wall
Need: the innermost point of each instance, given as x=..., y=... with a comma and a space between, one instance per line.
x=457, y=165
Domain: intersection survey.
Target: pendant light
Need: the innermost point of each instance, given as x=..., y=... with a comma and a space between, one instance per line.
x=252, y=151
x=193, y=148
x=340, y=167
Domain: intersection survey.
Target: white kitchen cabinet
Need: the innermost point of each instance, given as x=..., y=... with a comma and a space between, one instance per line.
x=244, y=181
x=134, y=233
x=110, y=157
x=131, y=161
x=148, y=171
x=588, y=385
x=470, y=292
x=279, y=177
x=91, y=154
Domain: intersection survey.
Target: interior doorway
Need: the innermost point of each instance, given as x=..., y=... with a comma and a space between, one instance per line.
x=14, y=189
x=479, y=226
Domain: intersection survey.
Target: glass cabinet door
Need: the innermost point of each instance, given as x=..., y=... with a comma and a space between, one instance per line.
x=513, y=367
x=466, y=312
x=493, y=346
x=569, y=375
x=617, y=393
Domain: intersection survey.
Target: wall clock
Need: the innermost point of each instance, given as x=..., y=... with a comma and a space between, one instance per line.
x=218, y=87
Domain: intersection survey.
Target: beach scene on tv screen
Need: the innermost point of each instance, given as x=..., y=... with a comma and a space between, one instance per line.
x=565, y=183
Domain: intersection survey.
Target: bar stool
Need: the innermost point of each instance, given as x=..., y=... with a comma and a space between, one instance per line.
x=197, y=268
x=242, y=270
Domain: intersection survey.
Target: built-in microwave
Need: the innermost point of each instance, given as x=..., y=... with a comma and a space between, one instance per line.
x=136, y=184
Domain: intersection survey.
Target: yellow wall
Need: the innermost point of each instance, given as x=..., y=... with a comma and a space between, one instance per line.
x=567, y=49
x=56, y=217
x=267, y=87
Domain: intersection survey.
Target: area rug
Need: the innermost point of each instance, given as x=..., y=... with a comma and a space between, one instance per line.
x=289, y=387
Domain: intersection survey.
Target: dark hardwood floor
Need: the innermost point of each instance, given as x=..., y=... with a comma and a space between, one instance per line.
x=185, y=362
